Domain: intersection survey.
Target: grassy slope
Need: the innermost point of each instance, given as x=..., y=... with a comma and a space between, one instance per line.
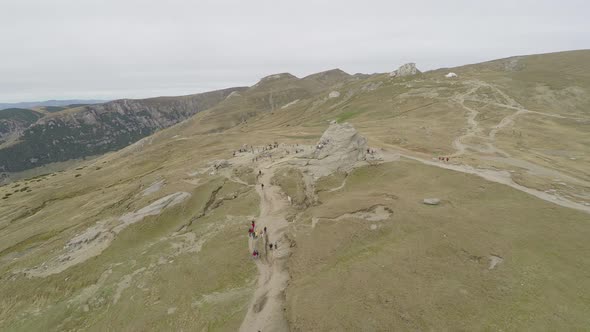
x=426, y=267
x=109, y=188
x=428, y=280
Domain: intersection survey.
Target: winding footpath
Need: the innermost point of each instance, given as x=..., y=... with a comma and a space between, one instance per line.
x=473, y=130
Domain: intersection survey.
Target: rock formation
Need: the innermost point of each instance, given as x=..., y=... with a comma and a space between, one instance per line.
x=408, y=69
x=334, y=94
x=339, y=148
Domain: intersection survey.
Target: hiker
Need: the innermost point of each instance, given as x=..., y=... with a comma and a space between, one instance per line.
x=250, y=231
x=259, y=172
x=262, y=185
x=270, y=245
x=264, y=229
x=447, y=159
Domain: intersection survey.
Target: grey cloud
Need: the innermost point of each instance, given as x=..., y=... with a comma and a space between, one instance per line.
x=115, y=48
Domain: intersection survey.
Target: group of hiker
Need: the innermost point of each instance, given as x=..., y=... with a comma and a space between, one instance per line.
x=443, y=159
x=244, y=149
x=267, y=155
x=254, y=233
x=270, y=146
x=263, y=152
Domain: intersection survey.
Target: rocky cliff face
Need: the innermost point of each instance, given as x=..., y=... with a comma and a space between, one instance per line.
x=96, y=129
x=14, y=121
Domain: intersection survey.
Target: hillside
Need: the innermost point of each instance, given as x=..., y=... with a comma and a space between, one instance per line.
x=419, y=202
x=13, y=121
x=89, y=130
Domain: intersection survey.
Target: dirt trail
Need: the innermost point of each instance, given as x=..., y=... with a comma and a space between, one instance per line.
x=473, y=125
x=502, y=177
x=266, y=311
x=473, y=130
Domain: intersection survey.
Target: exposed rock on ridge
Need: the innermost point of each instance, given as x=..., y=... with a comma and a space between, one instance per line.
x=339, y=148
x=408, y=69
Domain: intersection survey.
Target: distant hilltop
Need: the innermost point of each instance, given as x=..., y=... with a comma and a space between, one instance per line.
x=50, y=103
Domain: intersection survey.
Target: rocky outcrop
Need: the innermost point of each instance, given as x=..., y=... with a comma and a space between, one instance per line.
x=96, y=129
x=334, y=94
x=408, y=69
x=339, y=148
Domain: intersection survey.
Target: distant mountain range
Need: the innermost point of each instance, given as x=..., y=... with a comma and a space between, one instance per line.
x=53, y=103
x=51, y=133
x=32, y=136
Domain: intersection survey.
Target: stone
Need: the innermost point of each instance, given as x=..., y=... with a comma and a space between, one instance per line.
x=334, y=94
x=341, y=142
x=431, y=201
x=339, y=148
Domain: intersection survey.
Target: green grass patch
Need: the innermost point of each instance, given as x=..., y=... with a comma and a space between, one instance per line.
x=345, y=116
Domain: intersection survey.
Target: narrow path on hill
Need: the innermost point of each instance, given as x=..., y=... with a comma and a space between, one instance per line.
x=502, y=177
x=266, y=311
x=472, y=125
x=490, y=151
x=474, y=130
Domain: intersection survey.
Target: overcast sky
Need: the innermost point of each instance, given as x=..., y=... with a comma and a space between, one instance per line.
x=107, y=49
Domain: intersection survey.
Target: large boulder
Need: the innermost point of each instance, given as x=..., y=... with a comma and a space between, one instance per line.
x=408, y=69
x=339, y=148
x=431, y=201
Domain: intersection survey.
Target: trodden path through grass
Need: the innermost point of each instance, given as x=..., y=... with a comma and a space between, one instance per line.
x=502, y=177
x=267, y=308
